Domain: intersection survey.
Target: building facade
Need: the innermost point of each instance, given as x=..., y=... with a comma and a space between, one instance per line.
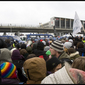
x=62, y=24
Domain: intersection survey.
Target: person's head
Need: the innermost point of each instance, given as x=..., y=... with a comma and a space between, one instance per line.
x=5, y=55
x=23, y=46
x=35, y=69
x=17, y=46
x=16, y=55
x=70, y=40
x=7, y=41
x=67, y=45
x=56, y=48
x=80, y=45
x=29, y=49
x=8, y=70
x=53, y=64
x=79, y=63
x=40, y=46
x=44, y=43
x=71, y=50
x=23, y=51
x=34, y=46
x=46, y=48
x=31, y=56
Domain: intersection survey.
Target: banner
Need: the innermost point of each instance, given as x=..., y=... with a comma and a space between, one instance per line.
x=52, y=21
x=77, y=25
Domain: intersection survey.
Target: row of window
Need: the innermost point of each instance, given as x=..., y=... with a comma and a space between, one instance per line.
x=69, y=23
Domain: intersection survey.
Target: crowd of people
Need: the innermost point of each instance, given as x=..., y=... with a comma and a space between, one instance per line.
x=44, y=61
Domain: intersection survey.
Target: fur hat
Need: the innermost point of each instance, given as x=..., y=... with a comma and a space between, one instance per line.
x=52, y=63
x=8, y=70
x=57, y=45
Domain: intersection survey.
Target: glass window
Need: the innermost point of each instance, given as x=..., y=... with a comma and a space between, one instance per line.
x=72, y=23
x=67, y=23
x=57, y=22
x=62, y=23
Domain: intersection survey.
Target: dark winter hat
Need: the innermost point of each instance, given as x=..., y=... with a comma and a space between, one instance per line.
x=52, y=63
x=40, y=46
x=57, y=45
x=23, y=46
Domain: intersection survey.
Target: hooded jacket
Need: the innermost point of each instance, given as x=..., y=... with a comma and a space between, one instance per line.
x=35, y=69
x=18, y=60
x=5, y=55
x=64, y=57
x=66, y=75
x=74, y=55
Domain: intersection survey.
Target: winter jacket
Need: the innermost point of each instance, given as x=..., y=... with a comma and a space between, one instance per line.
x=9, y=81
x=40, y=52
x=18, y=60
x=81, y=50
x=64, y=57
x=66, y=75
x=74, y=55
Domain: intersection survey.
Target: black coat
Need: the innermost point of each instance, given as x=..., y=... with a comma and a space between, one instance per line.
x=81, y=50
x=39, y=53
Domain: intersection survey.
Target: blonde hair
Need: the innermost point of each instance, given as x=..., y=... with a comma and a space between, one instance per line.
x=79, y=63
x=65, y=49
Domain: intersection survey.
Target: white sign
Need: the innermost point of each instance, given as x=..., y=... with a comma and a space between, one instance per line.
x=77, y=25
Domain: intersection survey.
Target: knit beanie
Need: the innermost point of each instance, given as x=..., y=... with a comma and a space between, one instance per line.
x=46, y=48
x=52, y=63
x=57, y=45
x=44, y=42
x=67, y=45
x=29, y=49
x=8, y=70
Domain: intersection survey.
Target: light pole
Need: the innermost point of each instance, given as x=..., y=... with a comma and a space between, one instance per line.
x=10, y=29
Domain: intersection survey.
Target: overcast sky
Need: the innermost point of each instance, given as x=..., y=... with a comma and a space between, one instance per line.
x=35, y=12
